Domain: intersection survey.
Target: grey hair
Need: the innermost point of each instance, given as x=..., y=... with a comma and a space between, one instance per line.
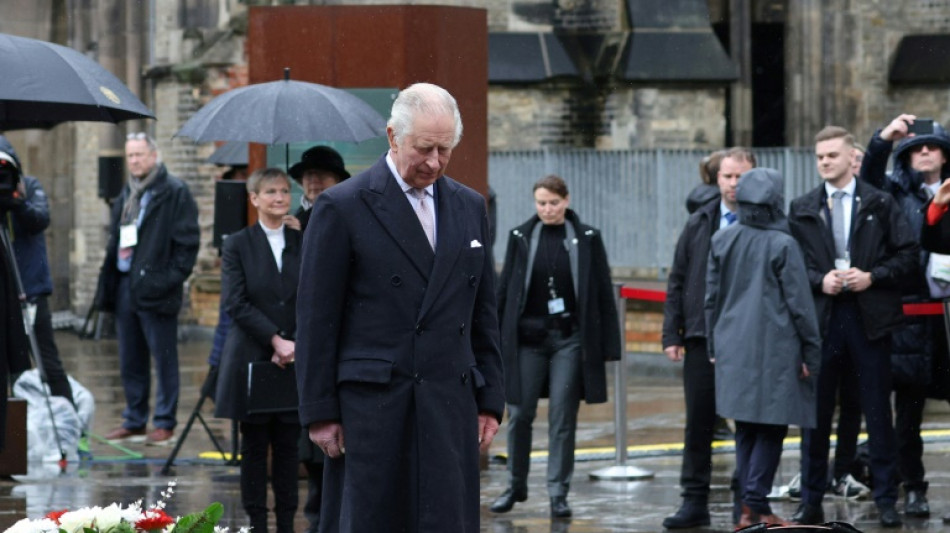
x=265, y=174
x=423, y=98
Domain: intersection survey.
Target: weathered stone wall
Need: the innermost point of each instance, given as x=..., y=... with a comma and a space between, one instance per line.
x=838, y=54
x=523, y=118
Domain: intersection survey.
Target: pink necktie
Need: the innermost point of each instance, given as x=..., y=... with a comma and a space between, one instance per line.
x=425, y=215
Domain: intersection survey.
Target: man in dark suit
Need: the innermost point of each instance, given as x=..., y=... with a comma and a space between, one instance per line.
x=399, y=367
x=859, y=253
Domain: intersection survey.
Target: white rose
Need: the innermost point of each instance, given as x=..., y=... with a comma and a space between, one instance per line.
x=75, y=521
x=109, y=518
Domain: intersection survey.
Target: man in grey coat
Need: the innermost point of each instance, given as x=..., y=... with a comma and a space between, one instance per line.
x=763, y=336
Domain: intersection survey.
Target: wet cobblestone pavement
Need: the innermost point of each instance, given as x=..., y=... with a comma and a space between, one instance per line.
x=655, y=425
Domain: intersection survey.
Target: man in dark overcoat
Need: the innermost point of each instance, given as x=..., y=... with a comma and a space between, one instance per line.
x=398, y=360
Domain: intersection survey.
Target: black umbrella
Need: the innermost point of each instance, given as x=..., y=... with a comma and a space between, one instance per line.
x=285, y=111
x=230, y=153
x=44, y=84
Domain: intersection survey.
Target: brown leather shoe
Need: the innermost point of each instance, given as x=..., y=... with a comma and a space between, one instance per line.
x=773, y=520
x=160, y=437
x=748, y=518
x=122, y=434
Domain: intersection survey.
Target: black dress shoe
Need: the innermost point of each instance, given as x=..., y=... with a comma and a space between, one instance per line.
x=507, y=500
x=946, y=519
x=690, y=514
x=560, y=508
x=915, y=504
x=889, y=517
x=808, y=515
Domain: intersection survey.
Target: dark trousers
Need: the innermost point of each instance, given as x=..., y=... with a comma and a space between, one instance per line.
x=311, y=508
x=555, y=365
x=758, y=452
x=849, y=426
x=49, y=353
x=142, y=336
x=846, y=346
x=281, y=439
x=699, y=389
x=909, y=404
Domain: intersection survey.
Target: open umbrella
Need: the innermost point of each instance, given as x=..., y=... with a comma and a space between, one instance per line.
x=230, y=153
x=285, y=111
x=44, y=84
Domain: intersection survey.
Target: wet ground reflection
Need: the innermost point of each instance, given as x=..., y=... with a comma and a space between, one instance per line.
x=655, y=412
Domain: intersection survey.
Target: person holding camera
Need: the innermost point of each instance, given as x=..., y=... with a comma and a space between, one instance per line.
x=559, y=327
x=921, y=149
x=28, y=210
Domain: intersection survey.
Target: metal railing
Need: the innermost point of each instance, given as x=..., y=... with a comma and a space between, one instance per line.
x=637, y=198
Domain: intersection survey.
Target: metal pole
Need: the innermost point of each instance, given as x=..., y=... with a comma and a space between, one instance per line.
x=621, y=471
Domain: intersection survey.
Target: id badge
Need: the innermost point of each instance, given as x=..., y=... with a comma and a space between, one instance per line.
x=128, y=236
x=555, y=306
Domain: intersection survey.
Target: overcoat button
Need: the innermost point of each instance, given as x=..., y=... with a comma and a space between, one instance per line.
x=462, y=329
x=418, y=378
x=418, y=329
x=464, y=378
x=472, y=281
x=396, y=281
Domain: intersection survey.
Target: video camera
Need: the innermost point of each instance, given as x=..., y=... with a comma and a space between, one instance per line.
x=9, y=175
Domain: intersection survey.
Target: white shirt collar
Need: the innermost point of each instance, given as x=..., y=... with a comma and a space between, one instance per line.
x=403, y=186
x=848, y=189
x=271, y=232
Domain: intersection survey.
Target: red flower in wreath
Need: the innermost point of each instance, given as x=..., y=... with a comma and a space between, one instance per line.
x=54, y=515
x=154, y=519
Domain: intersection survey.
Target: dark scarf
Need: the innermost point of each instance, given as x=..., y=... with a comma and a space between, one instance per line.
x=137, y=187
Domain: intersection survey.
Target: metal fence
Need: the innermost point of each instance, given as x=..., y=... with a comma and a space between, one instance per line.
x=637, y=198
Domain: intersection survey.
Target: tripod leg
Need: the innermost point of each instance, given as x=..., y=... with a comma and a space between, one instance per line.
x=195, y=413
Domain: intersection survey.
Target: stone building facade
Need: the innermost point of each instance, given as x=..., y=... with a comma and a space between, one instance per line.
x=828, y=62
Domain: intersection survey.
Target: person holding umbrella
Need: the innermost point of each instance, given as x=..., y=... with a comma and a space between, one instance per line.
x=320, y=168
x=152, y=247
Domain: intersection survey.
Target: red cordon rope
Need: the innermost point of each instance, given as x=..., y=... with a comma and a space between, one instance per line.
x=917, y=309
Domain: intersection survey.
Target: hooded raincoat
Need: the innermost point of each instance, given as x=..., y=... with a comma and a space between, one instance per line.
x=760, y=317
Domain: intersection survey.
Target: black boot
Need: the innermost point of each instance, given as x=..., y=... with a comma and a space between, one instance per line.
x=808, y=515
x=559, y=507
x=693, y=513
x=507, y=500
x=915, y=504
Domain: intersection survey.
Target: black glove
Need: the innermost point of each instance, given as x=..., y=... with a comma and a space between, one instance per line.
x=9, y=202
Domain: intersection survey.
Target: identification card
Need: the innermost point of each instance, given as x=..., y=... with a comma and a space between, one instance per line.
x=128, y=236
x=556, y=306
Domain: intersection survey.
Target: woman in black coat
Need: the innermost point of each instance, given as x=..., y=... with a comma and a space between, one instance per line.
x=558, y=320
x=260, y=267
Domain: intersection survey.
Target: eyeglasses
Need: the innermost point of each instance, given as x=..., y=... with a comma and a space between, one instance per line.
x=139, y=136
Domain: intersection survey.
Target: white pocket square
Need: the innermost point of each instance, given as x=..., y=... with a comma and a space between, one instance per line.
x=475, y=244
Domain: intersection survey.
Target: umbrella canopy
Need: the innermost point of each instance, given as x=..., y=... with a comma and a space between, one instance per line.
x=44, y=84
x=285, y=111
x=230, y=153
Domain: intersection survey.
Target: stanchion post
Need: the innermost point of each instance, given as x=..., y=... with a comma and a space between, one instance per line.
x=621, y=471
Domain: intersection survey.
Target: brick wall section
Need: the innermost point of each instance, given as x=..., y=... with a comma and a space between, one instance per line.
x=643, y=327
x=90, y=220
x=561, y=114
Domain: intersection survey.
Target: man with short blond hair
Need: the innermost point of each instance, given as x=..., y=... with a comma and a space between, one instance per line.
x=859, y=251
